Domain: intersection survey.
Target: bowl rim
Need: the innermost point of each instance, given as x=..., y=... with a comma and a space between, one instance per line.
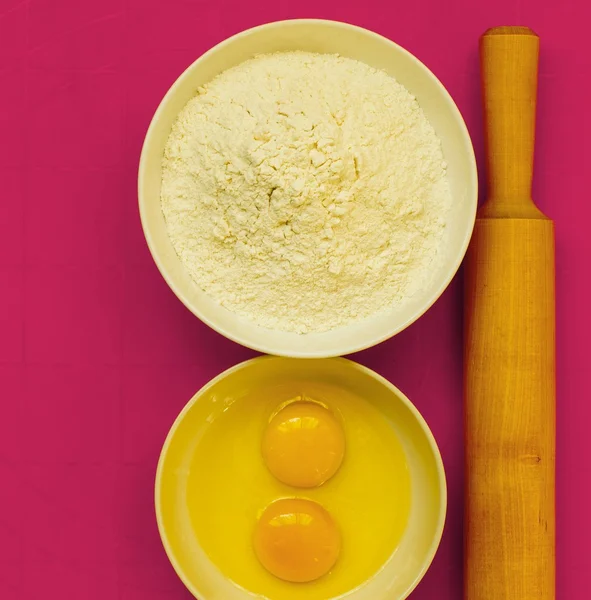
x=355, y=344
x=424, y=426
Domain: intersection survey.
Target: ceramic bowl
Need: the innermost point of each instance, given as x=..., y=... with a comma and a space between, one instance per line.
x=406, y=566
x=321, y=37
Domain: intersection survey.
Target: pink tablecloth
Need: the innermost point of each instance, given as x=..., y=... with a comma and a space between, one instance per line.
x=97, y=356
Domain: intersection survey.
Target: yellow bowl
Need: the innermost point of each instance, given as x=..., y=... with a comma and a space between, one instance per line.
x=403, y=570
x=321, y=37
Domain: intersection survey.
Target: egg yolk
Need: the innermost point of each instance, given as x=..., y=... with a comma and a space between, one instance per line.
x=297, y=540
x=303, y=444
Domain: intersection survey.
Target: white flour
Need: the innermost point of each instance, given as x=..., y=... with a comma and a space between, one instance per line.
x=305, y=191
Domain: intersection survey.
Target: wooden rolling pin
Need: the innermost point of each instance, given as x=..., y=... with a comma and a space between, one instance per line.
x=509, y=362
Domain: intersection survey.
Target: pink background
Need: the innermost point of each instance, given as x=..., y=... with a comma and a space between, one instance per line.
x=97, y=356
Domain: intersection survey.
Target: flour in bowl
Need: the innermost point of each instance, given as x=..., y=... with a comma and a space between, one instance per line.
x=305, y=191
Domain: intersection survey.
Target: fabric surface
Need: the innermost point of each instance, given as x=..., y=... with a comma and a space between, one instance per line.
x=97, y=356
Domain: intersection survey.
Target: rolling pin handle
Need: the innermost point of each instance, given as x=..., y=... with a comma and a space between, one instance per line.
x=509, y=64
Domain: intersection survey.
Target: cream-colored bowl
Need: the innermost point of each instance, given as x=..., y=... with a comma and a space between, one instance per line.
x=322, y=37
x=405, y=567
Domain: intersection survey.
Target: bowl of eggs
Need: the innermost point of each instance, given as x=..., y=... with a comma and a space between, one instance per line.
x=307, y=188
x=288, y=479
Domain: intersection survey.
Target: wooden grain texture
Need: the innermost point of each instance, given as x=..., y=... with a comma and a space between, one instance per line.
x=510, y=346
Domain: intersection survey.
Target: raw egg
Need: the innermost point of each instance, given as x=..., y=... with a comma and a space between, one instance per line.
x=303, y=444
x=297, y=540
x=230, y=482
